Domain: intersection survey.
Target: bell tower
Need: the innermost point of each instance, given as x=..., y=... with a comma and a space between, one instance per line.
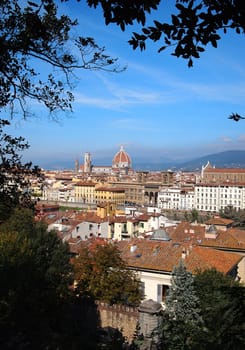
x=87, y=162
x=76, y=166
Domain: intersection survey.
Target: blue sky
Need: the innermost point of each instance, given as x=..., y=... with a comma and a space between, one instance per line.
x=158, y=108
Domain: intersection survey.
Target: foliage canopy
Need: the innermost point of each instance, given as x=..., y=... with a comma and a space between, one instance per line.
x=101, y=274
x=34, y=36
x=222, y=303
x=36, y=275
x=182, y=322
x=193, y=24
x=14, y=175
x=204, y=312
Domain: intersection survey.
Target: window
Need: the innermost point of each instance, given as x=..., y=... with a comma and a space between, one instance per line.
x=142, y=289
x=162, y=292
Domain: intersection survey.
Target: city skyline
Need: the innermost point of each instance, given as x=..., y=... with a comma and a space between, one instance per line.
x=158, y=109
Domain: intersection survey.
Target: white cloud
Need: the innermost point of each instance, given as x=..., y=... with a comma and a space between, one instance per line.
x=119, y=98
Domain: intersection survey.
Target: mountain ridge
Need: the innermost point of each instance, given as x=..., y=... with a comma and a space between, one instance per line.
x=225, y=159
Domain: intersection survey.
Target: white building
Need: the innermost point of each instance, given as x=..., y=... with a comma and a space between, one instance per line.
x=154, y=261
x=217, y=197
x=203, y=197
x=58, y=191
x=176, y=199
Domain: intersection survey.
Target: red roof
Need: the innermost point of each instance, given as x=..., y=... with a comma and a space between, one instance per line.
x=121, y=157
x=164, y=256
x=224, y=170
x=219, y=221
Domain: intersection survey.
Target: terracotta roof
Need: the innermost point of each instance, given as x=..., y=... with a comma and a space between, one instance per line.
x=151, y=255
x=225, y=240
x=163, y=256
x=48, y=218
x=121, y=157
x=92, y=217
x=219, y=221
x=185, y=232
x=239, y=235
x=75, y=244
x=90, y=243
x=118, y=219
x=224, y=170
x=205, y=258
x=144, y=217
x=231, y=239
x=133, y=219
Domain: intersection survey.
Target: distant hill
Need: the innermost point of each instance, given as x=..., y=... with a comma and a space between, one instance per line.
x=227, y=159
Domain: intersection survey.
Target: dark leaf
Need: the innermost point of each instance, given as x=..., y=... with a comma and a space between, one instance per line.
x=162, y=48
x=190, y=63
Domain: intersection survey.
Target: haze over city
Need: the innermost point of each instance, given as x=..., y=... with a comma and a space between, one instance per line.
x=158, y=108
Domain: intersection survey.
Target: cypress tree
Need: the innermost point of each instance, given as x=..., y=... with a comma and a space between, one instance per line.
x=182, y=321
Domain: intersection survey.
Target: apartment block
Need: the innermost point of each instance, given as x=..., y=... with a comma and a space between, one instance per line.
x=217, y=197
x=176, y=198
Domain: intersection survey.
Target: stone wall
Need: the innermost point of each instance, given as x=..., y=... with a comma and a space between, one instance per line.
x=118, y=316
x=148, y=318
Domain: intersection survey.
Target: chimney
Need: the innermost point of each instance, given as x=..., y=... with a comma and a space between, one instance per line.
x=183, y=255
x=133, y=248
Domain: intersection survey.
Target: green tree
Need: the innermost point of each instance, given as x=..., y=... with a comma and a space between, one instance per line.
x=14, y=176
x=36, y=276
x=39, y=56
x=238, y=216
x=182, y=323
x=20, y=220
x=194, y=215
x=100, y=273
x=35, y=35
x=222, y=303
x=186, y=216
x=191, y=27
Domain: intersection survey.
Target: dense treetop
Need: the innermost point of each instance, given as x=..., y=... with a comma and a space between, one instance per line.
x=36, y=35
x=182, y=318
x=192, y=26
x=222, y=304
x=185, y=27
x=101, y=274
x=34, y=38
x=14, y=175
x=203, y=312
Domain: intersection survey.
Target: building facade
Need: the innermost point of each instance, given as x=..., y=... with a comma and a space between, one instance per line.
x=174, y=198
x=214, y=198
x=84, y=192
x=210, y=174
x=113, y=195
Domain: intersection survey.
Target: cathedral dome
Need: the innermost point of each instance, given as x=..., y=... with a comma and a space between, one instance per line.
x=121, y=159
